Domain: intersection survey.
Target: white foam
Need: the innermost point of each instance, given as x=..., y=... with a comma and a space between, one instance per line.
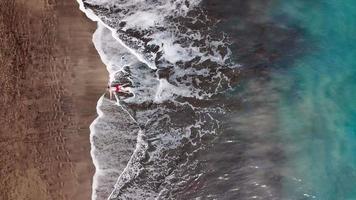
x=90, y=14
x=116, y=57
x=141, y=15
x=112, y=136
x=132, y=169
x=112, y=53
x=173, y=51
x=167, y=91
x=144, y=14
x=164, y=136
x=146, y=87
x=92, y=150
x=154, y=19
x=143, y=20
x=123, y=54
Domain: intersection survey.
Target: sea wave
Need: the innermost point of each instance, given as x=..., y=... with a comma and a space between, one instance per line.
x=181, y=46
x=178, y=67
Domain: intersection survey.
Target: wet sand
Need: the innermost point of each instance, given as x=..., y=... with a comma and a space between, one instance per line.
x=50, y=80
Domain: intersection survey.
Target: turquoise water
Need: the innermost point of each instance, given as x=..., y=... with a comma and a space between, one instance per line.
x=317, y=108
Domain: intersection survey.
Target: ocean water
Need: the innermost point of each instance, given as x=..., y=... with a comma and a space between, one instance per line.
x=317, y=108
x=228, y=99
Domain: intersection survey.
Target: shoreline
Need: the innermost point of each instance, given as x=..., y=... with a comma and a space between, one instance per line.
x=52, y=78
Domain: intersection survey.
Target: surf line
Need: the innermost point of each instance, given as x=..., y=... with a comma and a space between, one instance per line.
x=90, y=14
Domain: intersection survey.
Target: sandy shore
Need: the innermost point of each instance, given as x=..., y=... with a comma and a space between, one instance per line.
x=51, y=78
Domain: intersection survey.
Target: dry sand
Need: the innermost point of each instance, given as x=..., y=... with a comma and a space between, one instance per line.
x=50, y=80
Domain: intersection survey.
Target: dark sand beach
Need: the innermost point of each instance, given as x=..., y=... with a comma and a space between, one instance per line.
x=50, y=80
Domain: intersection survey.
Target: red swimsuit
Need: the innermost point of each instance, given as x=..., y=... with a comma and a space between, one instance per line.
x=117, y=88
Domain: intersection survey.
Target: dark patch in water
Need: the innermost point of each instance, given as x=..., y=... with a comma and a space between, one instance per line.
x=259, y=42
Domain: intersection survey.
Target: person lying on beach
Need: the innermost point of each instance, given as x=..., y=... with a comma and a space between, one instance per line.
x=117, y=88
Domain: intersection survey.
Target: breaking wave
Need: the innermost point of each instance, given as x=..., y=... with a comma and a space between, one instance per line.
x=178, y=68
